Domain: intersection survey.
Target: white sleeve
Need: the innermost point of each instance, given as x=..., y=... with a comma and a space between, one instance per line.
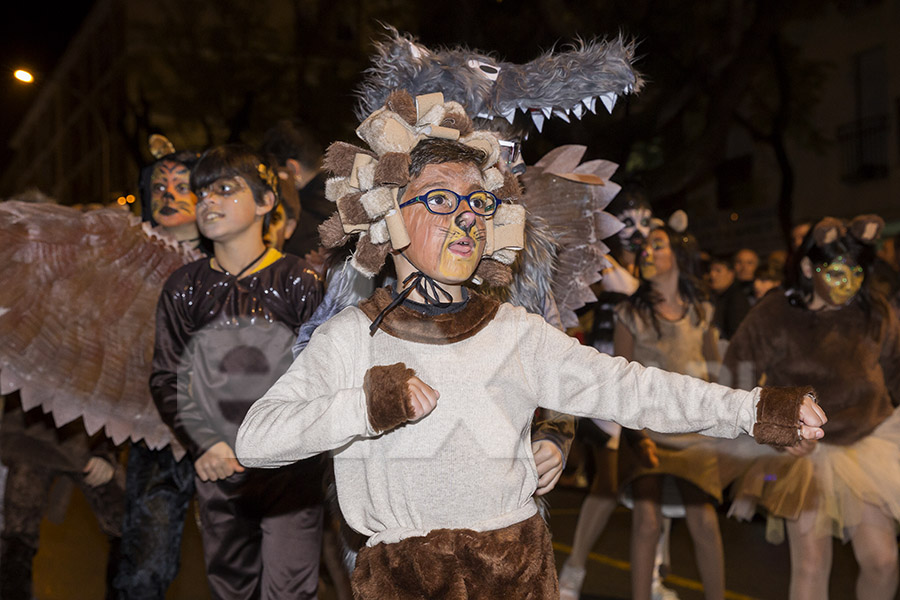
x=577, y=379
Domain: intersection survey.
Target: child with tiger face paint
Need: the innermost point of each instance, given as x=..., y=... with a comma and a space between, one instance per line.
x=446, y=247
x=171, y=198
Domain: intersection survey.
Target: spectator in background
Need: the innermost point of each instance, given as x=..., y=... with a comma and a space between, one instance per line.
x=299, y=159
x=768, y=277
x=731, y=304
x=745, y=263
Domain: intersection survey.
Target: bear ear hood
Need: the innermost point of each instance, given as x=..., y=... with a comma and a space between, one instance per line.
x=867, y=228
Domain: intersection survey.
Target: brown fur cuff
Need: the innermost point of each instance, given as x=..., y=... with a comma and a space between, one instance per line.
x=778, y=415
x=387, y=395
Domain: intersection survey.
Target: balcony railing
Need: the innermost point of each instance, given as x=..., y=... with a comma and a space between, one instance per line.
x=864, y=149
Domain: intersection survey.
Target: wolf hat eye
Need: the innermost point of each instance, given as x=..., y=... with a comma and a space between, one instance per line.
x=486, y=69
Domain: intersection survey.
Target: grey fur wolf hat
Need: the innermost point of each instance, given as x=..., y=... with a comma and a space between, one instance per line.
x=561, y=84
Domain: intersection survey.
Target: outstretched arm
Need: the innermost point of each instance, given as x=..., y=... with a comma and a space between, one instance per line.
x=580, y=381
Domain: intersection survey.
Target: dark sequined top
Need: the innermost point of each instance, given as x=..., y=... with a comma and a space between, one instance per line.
x=222, y=342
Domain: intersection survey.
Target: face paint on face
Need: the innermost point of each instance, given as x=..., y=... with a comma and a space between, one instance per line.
x=447, y=248
x=656, y=257
x=838, y=282
x=637, y=227
x=226, y=209
x=172, y=203
x=275, y=236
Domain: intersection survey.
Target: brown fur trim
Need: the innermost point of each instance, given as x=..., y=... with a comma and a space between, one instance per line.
x=339, y=158
x=778, y=415
x=369, y=257
x=352, y=210
x=387, y=396
x=392, y=169
x=331, y=232
x=493, y=273
x=458, y=120
x=460, y=564
x=403, y=104
x=511, y=191
x=408, y=324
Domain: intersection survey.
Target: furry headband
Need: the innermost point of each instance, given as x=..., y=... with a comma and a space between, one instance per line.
x=366, y=182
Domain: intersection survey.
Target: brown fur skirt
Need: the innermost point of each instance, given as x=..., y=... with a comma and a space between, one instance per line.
x=461, y=564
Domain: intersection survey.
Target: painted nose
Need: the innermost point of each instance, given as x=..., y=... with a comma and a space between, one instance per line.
x=465, y=221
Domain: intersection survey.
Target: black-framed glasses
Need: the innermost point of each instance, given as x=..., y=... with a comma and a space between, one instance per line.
x=445, y=202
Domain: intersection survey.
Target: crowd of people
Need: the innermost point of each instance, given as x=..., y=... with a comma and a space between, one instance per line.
x=414, y=403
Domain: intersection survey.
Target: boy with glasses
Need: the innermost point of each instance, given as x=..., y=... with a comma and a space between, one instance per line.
x=426, y=392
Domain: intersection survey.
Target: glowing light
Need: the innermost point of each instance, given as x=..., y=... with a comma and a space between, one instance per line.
x=734, y=216
x=129, y=198
x=23, y=76
x=121, y=200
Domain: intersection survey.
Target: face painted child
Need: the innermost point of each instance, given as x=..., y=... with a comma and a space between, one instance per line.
x=171, y=200
x=637, y=227
x=446, y=247
x=227, y=210
x=836, y=283
x=657, y=258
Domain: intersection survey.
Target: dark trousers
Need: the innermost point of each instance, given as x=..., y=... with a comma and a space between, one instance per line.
x=25, y=499
x=158, y=490
x=262, y=533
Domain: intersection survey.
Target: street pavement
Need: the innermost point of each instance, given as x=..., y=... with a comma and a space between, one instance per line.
x=71, y=562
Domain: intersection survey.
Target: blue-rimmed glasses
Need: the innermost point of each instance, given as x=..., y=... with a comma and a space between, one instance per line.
x=445, y=202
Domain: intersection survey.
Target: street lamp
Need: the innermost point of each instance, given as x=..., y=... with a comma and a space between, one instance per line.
x=23, y=76
x=26, y=77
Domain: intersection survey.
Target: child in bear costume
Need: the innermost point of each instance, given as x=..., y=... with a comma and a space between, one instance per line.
x=425, y=393
x=828, y=327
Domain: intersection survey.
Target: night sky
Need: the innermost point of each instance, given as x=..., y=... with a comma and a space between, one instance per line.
x=33, y=36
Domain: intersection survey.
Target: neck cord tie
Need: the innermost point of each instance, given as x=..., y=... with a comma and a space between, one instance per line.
x=427, y=287
x=245, y=269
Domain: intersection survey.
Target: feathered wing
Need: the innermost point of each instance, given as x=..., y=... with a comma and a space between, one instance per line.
x=570, y=198
x=77, y=315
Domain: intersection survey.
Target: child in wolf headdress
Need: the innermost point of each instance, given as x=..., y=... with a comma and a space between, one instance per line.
x=426, y=391
x=564, y=251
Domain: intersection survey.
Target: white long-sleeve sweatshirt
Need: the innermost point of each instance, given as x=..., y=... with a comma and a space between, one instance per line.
x=468, y=464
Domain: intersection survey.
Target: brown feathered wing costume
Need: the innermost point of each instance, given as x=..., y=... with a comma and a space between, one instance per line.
x=77, y=315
